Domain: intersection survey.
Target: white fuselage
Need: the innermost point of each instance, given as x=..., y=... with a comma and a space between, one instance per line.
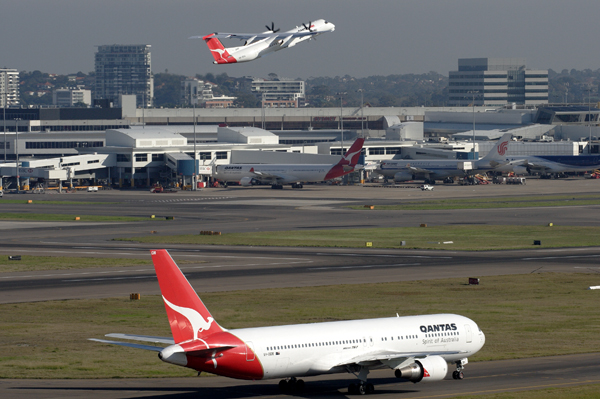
x=436, y=169
x=287, y=173
x=321, y=348
x=258, y=48
x=549, y=164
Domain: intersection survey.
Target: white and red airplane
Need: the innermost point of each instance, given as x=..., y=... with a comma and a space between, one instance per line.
x=258, y=44
x=279, y=174
x=417, y=348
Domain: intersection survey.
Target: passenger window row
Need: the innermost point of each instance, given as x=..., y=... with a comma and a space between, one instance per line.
x=330, y=343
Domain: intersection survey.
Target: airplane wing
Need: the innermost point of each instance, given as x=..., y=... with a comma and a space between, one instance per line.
x=389, y=358
x=259, y=36
x=267, y=177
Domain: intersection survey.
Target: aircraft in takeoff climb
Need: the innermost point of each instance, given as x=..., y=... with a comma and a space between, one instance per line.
x=417, y=348
x=278, y=175
x=258, y=44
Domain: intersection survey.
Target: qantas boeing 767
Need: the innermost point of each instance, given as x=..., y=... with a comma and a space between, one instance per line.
x=417, y=348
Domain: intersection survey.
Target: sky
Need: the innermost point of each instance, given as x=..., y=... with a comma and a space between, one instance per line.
x=373, y=37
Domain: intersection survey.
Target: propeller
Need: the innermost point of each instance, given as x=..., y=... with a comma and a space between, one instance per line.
x=308, y=28
x=272, y=28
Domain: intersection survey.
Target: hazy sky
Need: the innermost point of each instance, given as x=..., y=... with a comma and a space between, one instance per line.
x=374, y=37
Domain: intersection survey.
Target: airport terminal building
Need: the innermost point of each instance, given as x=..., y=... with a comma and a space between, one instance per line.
x=132, y=147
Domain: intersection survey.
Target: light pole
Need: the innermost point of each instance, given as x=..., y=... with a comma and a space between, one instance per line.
x=341, y=94
x=17, y=153
x=589, y=118
x=362, y=114
x=195, y=179
x=4, y=119
x=473, y=92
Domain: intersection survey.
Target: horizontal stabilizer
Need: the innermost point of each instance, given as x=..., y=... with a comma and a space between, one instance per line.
x=129, y=344
x=208, y=352
x=143, y=338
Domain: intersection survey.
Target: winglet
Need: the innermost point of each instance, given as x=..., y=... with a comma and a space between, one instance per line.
x=219, y=52
x=188, y=317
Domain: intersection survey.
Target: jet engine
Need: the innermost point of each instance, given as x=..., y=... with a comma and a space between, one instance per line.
x=429, y=369
x=246, y=181
x=403, y=176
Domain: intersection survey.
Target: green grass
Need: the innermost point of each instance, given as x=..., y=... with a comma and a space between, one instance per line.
x=31, y=263
x=490, y=203
x=522, y=316
x=47, y=202
x=36, y=263
x=463, y=237
x=51, y=217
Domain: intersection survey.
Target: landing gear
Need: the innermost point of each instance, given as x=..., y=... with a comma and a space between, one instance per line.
x=291, y=385
x=277, y=186
x=460, y=365
x=296, y=185
x=458, y=375
x=361, y=388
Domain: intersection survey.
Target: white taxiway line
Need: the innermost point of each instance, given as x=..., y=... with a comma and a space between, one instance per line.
x=362, y=267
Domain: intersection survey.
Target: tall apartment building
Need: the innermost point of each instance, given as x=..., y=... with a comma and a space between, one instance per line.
x=124, y=69
x=9, y=87
x=496, y=82
x=279, y=93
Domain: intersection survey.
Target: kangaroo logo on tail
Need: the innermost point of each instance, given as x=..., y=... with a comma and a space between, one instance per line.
x=195, y=319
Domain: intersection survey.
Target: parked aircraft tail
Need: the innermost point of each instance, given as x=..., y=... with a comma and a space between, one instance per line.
x=348, y=161
x=188, y=317
x=352, y=156
x=500, y=148
x=219, y=52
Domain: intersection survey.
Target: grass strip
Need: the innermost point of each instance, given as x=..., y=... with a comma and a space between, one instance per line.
x=522, y=316
x=52, y=217
x=36, y=263
x=490, y=203
x=463, y=237
x=50, y=202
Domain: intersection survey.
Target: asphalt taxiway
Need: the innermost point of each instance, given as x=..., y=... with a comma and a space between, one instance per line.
x=240, y=209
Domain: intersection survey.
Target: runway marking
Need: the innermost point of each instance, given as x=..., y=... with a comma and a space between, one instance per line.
x=362, y=267
x=386, y=256
x=181, y=199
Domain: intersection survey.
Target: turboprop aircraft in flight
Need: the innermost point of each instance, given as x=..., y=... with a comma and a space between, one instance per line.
x=295, y=174
x=416, y=348
x=258, y=44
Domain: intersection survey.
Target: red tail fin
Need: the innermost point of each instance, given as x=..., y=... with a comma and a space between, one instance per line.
x=219, y=52
x=348, y=161
x=188, y=317
x=352, y=156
